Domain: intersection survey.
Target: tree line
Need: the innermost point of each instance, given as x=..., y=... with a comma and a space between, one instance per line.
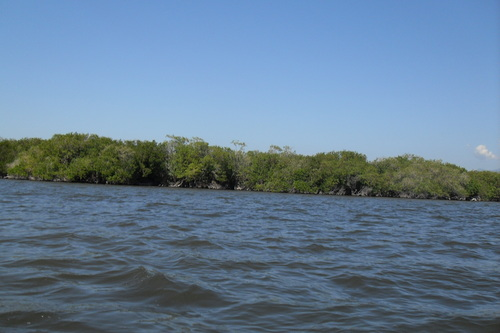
x=184, y=162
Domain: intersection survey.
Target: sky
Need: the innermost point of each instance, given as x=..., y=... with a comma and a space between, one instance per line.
x=382, y=78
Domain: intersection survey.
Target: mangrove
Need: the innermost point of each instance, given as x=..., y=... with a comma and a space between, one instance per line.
x=184, y=162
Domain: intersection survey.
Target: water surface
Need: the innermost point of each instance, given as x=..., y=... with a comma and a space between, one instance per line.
x=96, y=258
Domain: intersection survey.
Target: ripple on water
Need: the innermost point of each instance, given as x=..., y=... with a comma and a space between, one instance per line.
x=120, y=259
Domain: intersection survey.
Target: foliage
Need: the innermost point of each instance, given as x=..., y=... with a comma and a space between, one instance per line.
x=414, y=177
x=180, y=161
x=10, y=150
x=484, y=185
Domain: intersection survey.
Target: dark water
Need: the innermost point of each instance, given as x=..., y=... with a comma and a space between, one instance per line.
x=93, y=258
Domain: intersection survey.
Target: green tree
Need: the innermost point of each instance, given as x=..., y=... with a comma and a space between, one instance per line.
x=484, y=185
x=149, y=158
x=116, y=164
x=414, y=177
x=8, y=153
x=189, y=161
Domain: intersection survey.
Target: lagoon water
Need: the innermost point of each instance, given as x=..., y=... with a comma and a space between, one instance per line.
x=99, y=258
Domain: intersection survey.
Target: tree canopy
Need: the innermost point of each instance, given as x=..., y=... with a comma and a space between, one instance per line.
x=185, y=162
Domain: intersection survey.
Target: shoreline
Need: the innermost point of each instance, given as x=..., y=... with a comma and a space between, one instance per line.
x=219, y=187
x=194, y=163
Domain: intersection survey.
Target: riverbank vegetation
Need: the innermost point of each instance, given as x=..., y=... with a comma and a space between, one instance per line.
x=184, y=162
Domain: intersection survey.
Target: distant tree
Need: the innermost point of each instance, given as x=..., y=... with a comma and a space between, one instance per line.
x=149, y=159
x=8, y=153
x=414, y=177
x=484, y=185
x=194, y=163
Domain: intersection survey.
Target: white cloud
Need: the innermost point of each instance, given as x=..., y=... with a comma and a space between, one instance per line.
x=483, y=152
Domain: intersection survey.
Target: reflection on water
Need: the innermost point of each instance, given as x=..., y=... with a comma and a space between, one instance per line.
x=93, y=258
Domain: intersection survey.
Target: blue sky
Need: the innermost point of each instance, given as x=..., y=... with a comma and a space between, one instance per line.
x=382, y=78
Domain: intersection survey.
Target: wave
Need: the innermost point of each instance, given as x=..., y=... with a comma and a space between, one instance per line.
x=141, y=285
x=194, y=242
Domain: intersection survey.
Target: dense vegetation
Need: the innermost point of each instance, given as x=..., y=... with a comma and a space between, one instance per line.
x=184, y=162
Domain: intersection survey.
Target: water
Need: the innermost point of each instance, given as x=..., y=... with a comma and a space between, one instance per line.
x=95, y=258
